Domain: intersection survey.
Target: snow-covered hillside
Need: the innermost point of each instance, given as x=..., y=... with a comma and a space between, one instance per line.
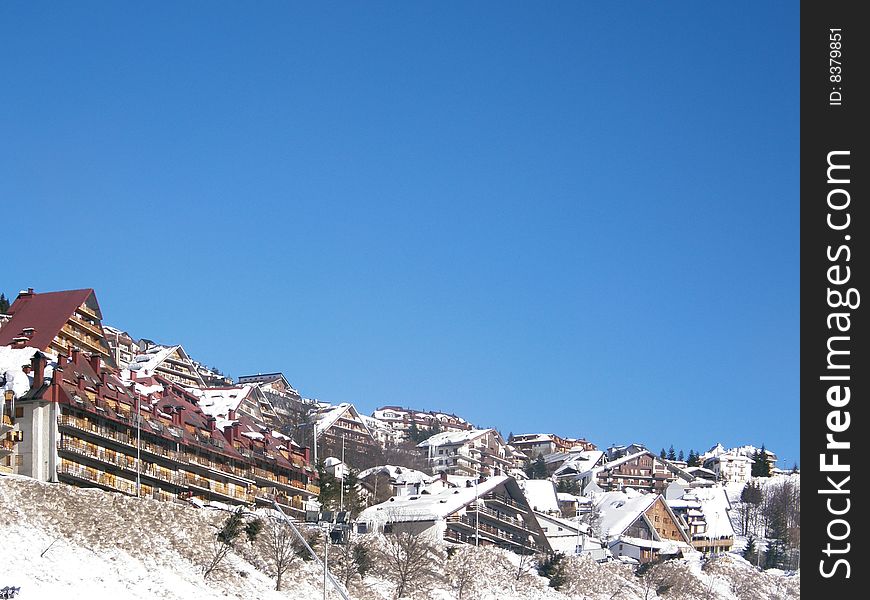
x=60, y=541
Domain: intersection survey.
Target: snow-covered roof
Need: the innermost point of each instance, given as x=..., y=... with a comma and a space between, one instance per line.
x=11, y=362
x=541, y=494
x=397, y=474
x=619, y=510
x=217, y=402
x=715, y=505
x=580, y=462
x=453, y=437
x=328, y=415
x=429, y=507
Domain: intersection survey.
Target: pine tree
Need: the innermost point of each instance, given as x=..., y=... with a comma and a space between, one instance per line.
x=694, y=460
x=671, y=454
x=750, y=551
x=4, y=304
x=764, y=469
x=663, y=454
x=539, y=468
x=681, y=456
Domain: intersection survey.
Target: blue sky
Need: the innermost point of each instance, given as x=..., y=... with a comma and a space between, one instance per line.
x=579, y=217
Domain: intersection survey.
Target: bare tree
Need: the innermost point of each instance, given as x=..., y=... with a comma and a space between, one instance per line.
x=526, y=566
x=463, y=570
x=228, y=534
x=353, y=560
x=408, y=560
x=284, y=548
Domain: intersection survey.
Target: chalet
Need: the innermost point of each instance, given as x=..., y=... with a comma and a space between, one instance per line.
x=82, y=424
x=642, y=470
x=484, y=511
x=171, y=362
x=639, y=526
x=705, y=512
x=54, y=322
x=339, y=431
x=473, y=452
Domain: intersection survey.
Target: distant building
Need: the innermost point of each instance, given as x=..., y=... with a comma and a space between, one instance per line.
x=172, y=362
x=473, y=452
x=642, y=470
x=341, y=432
x=534, y=444
x=401, y=419
x=123, y=347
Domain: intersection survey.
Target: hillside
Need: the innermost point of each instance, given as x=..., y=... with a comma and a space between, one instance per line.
x=62, y=540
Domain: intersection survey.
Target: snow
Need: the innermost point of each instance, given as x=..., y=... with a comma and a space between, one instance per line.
x=541, y=494
x=217, y=402
x=428, y=507
x=397, y=474
x=62, y=540
x=620, y=509
x=11, y=362
x=453, y=437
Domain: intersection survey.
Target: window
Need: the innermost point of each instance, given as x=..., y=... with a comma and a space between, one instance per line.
x=19, y=412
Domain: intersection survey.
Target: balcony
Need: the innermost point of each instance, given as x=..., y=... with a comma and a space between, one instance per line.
x=99, y=478
x=488, y=513
x=271, y=479
x=487, y=532
x=214, y=487
x=119, y=460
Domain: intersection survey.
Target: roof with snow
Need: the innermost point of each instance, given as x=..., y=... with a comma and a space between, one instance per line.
x=453, y=437
x=397, y=474
x=541, y=494
x=12, y=375
x=619, y=510
x=432, y=506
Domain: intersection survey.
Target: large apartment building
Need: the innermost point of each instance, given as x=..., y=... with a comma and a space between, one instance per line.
x=402, y=419
x=80, y=426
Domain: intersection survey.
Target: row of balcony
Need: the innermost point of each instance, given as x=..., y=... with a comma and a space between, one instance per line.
x=186, y=458
x=180, y=479
x=499, y=516
x=485, y=529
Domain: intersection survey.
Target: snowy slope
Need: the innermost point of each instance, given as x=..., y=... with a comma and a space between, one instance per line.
x=60, y=541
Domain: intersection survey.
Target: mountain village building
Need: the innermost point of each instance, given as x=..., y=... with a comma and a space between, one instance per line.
x=473, y=452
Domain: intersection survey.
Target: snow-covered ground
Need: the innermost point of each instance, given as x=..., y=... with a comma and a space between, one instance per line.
x=61, y=541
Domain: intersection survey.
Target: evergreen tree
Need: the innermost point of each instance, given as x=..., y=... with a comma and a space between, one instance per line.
x=756, y=464
x=694, y=460
x=671, y=454
x=764, y=469
x=539, y=468
x=681, y=456
x=415, y=434
x=663, y=454
x=4, y=304
x=750, y=551
x=569, y=486
x=554, y=569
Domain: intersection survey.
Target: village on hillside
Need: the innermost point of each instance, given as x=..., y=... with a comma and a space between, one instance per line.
x=87, y=404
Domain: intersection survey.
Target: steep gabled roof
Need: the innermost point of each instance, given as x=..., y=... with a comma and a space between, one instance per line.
x=46, y=313
x=455, y=437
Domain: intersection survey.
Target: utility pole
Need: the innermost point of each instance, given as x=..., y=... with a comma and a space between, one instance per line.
x=325, y=558
x=138, y=447
x=477, y=512
x=341, y=492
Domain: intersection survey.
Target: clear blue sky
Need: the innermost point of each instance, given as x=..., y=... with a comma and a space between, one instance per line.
x=572, y=217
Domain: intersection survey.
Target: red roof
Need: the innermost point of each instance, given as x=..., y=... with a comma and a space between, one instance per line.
x=45, y=313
